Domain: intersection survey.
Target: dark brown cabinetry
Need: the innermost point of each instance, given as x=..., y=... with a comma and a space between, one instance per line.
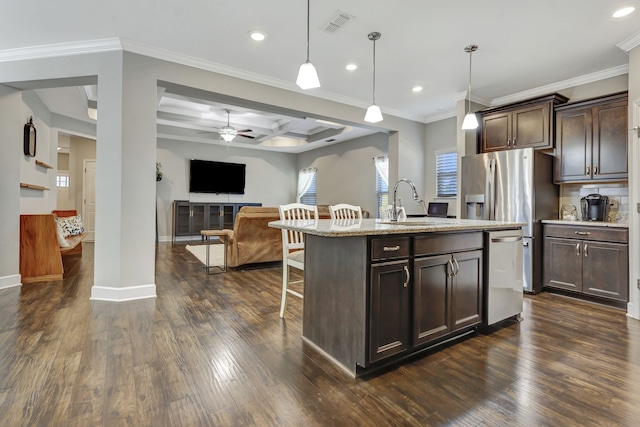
x=190, y=218
x=592, y=261
x=447, y=287
x=389, y=327
x=443, y=296
x=521, y=125
x=591, y=140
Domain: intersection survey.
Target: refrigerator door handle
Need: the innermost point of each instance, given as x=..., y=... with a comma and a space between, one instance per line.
x=490, y=188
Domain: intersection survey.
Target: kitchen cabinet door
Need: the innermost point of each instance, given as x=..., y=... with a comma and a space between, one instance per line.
x=496, y=131
x=563, y=263
x=389, y=309
x=573, y=145
x=605, y=270
x=610, y=148
x=530, y=127
x=466, y=299
x=431, y=298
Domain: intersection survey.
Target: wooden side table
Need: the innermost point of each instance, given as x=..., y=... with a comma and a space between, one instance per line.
x=222, y=235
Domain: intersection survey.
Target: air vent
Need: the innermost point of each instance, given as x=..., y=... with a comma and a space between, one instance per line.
x=338, y=20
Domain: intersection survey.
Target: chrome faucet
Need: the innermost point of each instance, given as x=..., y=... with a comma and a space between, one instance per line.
x=394, y=208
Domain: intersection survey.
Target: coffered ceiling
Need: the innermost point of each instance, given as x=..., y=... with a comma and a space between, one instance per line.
x=526, y=48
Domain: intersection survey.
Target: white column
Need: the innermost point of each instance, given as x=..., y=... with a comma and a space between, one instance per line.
x=11, y=122
x=125, y=183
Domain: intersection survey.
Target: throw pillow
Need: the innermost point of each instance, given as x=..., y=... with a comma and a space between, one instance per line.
x=61, y=223
x=62, y=241
x=72, y=225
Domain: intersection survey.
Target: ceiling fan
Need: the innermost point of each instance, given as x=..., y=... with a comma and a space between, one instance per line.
x=228, y=132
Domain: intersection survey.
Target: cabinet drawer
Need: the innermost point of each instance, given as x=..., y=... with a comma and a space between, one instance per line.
x=388, y=248
x=620, y=235
x=447, y=243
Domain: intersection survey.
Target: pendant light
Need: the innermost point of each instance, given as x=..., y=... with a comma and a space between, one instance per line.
x=470, y=120
x=374, y=114
x=307, y=75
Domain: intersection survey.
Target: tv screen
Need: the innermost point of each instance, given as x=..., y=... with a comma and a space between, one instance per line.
x=216, y=177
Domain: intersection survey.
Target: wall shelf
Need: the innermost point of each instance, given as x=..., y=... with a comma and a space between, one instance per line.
x=43, y=164
x=33, y=186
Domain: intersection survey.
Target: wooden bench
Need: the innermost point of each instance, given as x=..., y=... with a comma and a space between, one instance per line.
x=40, y=252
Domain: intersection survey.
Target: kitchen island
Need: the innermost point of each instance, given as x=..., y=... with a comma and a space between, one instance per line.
x=377, y=292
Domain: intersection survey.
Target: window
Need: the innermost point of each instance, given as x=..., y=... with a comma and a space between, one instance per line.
x=62, y=181
x=382, y=183
x=446, y=173
x=307, y=186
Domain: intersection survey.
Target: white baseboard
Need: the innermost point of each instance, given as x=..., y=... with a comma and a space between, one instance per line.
x=164, y=239
x=10, y=281
x=104, y=293
x=632, y=311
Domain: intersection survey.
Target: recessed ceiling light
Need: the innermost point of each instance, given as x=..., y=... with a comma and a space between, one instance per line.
x=417, y=89
x=623, y=12
x=257, y=35
x=351, y=67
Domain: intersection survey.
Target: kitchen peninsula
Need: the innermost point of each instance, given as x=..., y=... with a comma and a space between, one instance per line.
x=376, y=292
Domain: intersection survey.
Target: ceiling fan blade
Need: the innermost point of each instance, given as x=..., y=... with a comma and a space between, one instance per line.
x=244, y=130
x=246, y=136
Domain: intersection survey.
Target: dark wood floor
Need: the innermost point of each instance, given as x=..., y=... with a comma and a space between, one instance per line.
x=213, y=351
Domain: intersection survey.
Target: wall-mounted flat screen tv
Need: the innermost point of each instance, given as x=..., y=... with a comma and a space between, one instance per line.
x=216, y=177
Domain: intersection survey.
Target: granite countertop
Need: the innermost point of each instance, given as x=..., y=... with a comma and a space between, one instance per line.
x=373, y=227
x=586, y=223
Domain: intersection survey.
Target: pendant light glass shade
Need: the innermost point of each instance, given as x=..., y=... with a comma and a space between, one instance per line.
x=374, y=114
x=228, y=132
x=307, y=75
x=470, y=120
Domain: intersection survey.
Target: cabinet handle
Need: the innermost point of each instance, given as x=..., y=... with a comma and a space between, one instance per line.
x=514, y=142
x=582, y=233
x=391, y=248
x=457, y=267
x=406, y=282
x=577, y=249
x=595, y=170
x=450, y=265
x=588, y=170
x=509, y=142
x=586, y=250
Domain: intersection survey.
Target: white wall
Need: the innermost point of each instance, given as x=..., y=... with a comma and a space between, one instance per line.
x=80, y=149
x=270, y=177
x=633, y=308
x=37, y=201
x=440, y=135
x=346, y=172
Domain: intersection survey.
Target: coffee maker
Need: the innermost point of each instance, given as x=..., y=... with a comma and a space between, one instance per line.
x=595, y=207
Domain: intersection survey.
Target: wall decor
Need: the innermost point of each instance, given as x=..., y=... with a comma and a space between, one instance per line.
x=30, y=138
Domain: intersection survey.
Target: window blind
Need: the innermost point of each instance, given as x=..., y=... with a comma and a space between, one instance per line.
x=447, y=174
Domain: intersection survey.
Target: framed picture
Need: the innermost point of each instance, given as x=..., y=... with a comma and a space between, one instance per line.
x=30, y=138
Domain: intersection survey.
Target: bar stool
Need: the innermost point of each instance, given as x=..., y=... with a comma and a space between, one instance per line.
x=223, y=236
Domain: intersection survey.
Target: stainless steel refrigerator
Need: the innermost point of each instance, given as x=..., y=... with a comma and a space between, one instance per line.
x=513, y=185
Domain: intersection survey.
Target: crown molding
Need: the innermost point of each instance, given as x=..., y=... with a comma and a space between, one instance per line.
x=462, y=96
x=630, y=43
x=61, y=49
x=440, y=116
x=565, y=84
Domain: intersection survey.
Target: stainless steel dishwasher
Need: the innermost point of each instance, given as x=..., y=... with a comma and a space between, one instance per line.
x=504, y=287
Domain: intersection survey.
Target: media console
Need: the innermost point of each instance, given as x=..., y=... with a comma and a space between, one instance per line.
x=189, y=218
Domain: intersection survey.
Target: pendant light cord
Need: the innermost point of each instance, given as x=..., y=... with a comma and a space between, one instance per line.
x=470, y=55
x=374, y=70
x=308, y=20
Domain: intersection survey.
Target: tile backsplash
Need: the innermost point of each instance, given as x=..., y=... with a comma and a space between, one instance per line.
x=618, y=198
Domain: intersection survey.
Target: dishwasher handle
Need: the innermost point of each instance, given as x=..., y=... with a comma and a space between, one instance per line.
x=509, y=239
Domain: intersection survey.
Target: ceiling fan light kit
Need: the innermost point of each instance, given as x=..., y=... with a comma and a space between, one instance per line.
x=307, y=75
x=470, y=120
x=374, y=114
